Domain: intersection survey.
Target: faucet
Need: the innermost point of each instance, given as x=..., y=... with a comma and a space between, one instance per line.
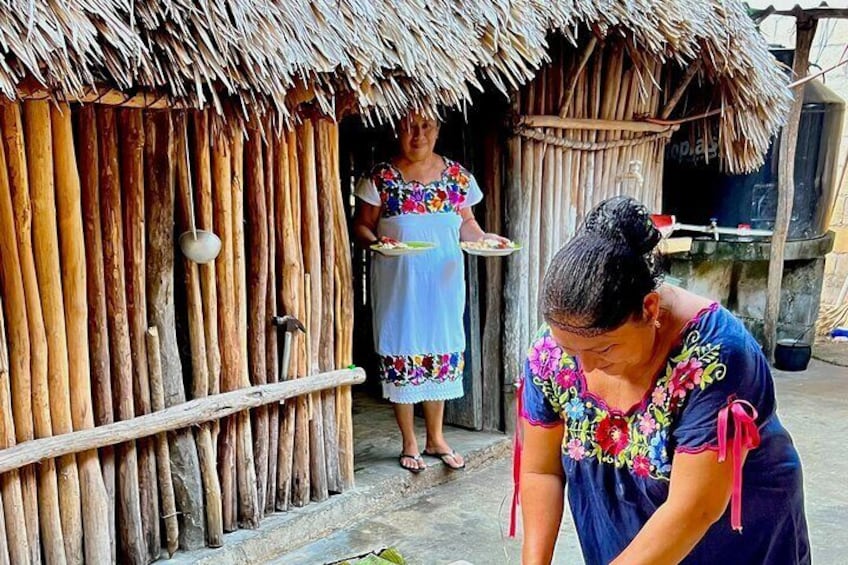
x=714, y=227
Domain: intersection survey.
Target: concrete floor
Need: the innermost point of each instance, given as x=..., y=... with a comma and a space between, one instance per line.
x=466, y=519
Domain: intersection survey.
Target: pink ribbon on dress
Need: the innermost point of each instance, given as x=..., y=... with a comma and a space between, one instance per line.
x=746, y=436
x=516, y=462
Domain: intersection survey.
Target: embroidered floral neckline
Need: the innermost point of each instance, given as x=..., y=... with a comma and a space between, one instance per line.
x=637, y=440
x=641, y=404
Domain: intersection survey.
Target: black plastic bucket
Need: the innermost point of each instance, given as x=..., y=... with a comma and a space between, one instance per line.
x=791, y=355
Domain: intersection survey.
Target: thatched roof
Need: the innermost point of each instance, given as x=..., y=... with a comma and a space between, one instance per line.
x=389, y=55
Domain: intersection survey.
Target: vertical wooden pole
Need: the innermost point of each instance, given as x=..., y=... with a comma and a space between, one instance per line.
x=163, y=456
x=98, y=337
x=204, y=219
x=95, y=501
x=25, y=396
x=257, y=295
x=131, y=127
x=197, y=338
x=10, y=483
x=492, y=335
x=18, y=183
x=289, y=272
x=311, y=238
x=272, y=363
x=328, y=185
x=805, y=31
x=4, y=542
x=185, y=468
x=39, y=151
x=344, y=323
x=131, y=540
x=515, y=285
x=227, y=328
x=249, y=507
x=301, y=477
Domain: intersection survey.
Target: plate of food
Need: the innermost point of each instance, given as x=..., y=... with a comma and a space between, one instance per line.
x=392, y=248
x=490, y=247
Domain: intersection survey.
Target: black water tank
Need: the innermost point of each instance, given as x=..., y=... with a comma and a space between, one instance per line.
x=696, y=190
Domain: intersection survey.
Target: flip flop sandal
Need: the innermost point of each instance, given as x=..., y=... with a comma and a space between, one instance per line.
x=416, y=458
x=446, y=457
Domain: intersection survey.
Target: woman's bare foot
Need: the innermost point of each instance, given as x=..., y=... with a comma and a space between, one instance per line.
x=412, y=463
x=443, y=451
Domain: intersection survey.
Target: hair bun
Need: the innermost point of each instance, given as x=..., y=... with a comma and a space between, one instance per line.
x=624, y=219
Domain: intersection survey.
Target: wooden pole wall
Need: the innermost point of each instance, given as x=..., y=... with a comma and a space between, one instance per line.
x=131, y=547
x=249, y=509
x=161, y=170
x=19, y=489
x=272, y=361
x=131, y=135
x=20, y=265
x=227, y=327
x=39, y=149
x=199, y=338
x=95, y=501
x=88, y=198
x=98, y=338
x=10, y=483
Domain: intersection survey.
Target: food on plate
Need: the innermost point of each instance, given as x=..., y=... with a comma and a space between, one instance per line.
x=489, y=244
x=389, y=243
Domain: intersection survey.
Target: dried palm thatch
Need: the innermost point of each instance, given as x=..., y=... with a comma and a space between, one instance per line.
x=386, y=56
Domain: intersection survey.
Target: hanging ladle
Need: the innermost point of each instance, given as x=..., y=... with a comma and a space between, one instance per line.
x=199, y=246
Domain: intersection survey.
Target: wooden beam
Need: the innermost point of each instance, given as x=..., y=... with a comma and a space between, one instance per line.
x=197, y=411
x=805, y=32
x=581, y=64
x=592, y=124
x=681, y=88
x=103, y=96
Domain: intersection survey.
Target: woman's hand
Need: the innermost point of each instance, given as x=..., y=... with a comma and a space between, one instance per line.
x=699, y=492
x=494, y=237
x=542, y=493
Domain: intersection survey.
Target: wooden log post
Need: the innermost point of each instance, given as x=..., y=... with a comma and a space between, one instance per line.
x=205, y=220
x=18, y=182
x=288, y=290
x=517, y=265
x=197, y=341
x=17, y=544
x=492, y=335
x=39, y=150
x=131, y=128
x=4, y=542
x=20, y=403
x=249, y=508
x=227, y=328
x=327, y=186
x=344, y=323
x=311, y=240
x=257, y=296
x=98, y=337
x=804, y=33
x=131, y=541
x=272, y=361
x=95, y=500
x=185, y=467
x=163, y=456
x=301, y=476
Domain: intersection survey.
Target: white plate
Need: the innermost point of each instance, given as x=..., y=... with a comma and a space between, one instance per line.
x=495, y=252
x=414, y=248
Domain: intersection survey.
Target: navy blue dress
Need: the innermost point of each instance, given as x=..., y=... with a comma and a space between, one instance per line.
x=716, y=392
